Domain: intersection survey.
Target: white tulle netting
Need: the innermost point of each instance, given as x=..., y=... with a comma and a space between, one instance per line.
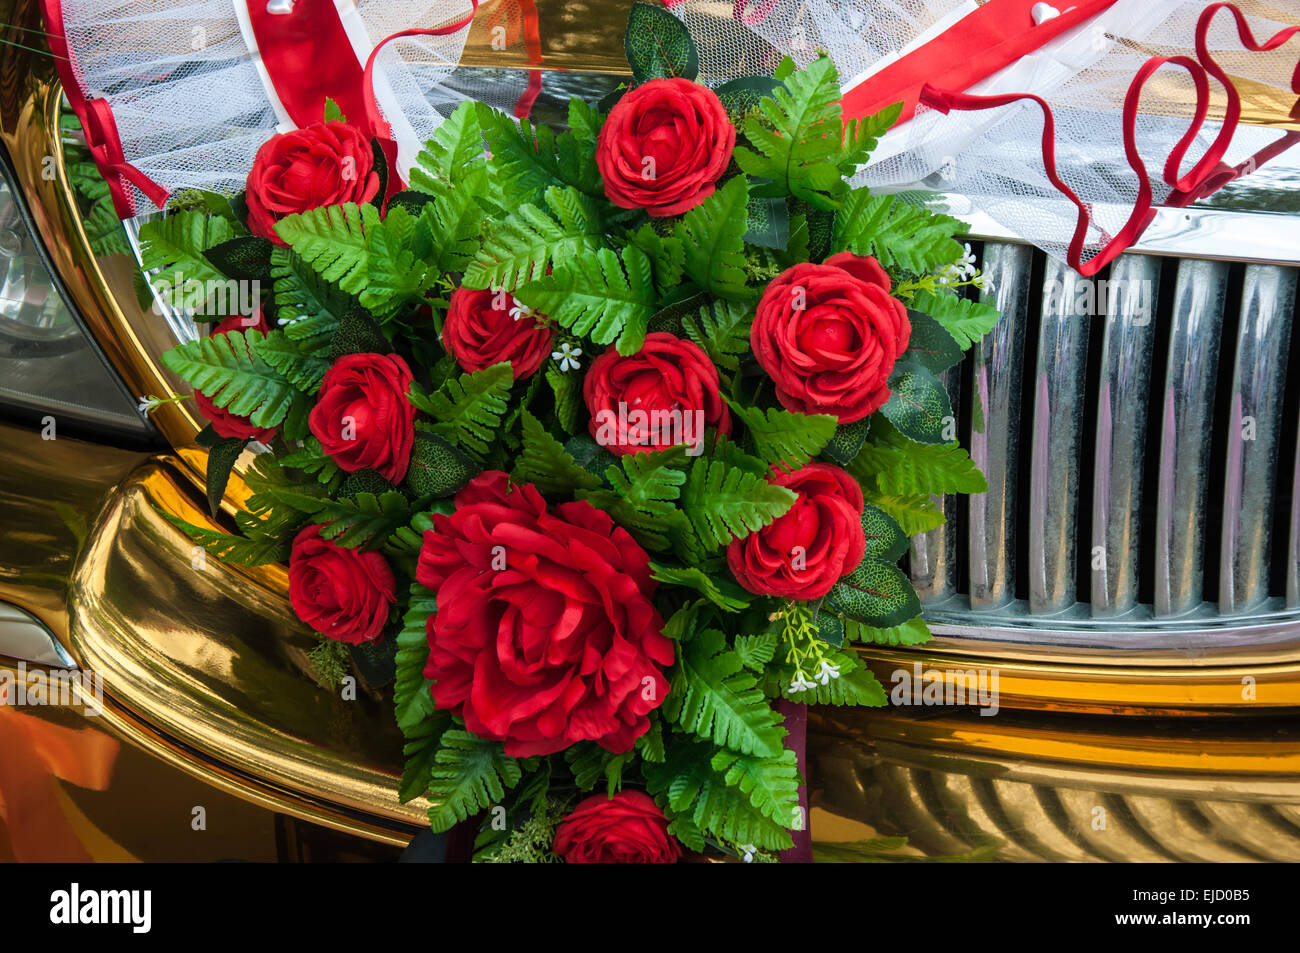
x=190, y=105
x=995, y=157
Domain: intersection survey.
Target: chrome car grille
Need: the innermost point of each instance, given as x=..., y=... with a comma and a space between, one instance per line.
x=1141, y=455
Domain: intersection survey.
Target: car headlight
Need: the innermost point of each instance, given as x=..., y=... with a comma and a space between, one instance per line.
x=49, y=368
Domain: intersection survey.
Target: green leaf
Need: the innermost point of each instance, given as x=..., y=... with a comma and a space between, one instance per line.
x=770, y=783
x=915, y=512
x=545, y=463
x=912, y=632
x=797, y=133
x=725, y=503
x=236, y=550
x=528, y=160
x=847, y=441
x=967, y=320
x=469, y=408
x=290, y=358
x=756, y=651
x=876, y=593
x=918, y=404
x=885, y=538
x=861, y=136
x=333, y=240
x=696, y=799
x=783, y=436
x=598, y=296
x=896, y=233
x=714, y=232
x=722, y=332
x=226, y=369
x=642, y=495
x=930, y=344
x=713, y=696
x=455, y=151
x=246, y=258
x=394, y=277
x=175, y=247
x=903, y=467
x=658, y=45
x=767, y=222
x=741, y=96
x=309, y=307
x=666, y=253
x=412, y=698
x=531, y=239
x=568, y=397
x=855, y=686
x=221, y=460
x=830, y=629
x=437, y=468
x=589, y=762
x=469, y=775
x=312, y=459
x=717, y=589
x=364, y=519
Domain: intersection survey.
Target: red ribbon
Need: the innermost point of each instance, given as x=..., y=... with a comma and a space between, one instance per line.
x=97, y=121
x=1207, y=176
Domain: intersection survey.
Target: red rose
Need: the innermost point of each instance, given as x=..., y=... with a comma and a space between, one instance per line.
x=663, y=147
x=342, y=593
x=545, y=633
x=829, y=335
x=662, y=396
x=478, y=334
x=625, y=829
x=224, y=423
x=362, y=416
x=327, y=163
x=803, y=553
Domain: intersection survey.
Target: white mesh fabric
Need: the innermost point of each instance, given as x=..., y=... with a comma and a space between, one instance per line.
x=190, y=107
x=994, y=156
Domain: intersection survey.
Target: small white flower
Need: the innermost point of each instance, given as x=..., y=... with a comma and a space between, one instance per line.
x=147, y=405
x=965, y=265
x=749, y=850
x=800, y=683
x=568, y=356
x=519, y=311
x=984, y=283
x=827, y=672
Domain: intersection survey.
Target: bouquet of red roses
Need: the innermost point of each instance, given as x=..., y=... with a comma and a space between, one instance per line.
x=611, y=437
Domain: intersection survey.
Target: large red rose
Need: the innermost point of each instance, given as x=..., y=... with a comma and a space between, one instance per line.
x=662, y=396
x=327, y=163
x=487, y=327
x=626, y=829
x=803, y=553
x=828, y=335
x=342, y=593
x=545, y=633
x=362, y=416
x=224, y=423
x=663, y=147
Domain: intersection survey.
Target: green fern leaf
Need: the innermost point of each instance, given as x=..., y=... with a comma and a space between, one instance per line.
x=530, y=159
x=643, y=495
x=713, y=696
x=714, y=232
x=967, y=320
x=545, y=463
x=523, y=246
x=912, y=632
x=455, y=151
x=717, y=589
x=289, y=358
x=236, y=550
x=916, y=513
x=783, y=436
x=469, y=775
x=309, y=307
x=469, y=408
x=599, y=296
x=229, y=371
x=798, y=134
x=896, y=233
x=725, y=502
x=770, y=783
x=755, y=651
x=903, y=467
x=174, y=247
x=722, y=332
x=698, y=800
x=333, y=241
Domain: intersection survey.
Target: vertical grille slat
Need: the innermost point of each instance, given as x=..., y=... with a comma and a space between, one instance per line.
x=1187, y=420
x=933, y=555
x=1057, y=428
x=1253, y=433
x=1293, y=544
x=1127, y=347
x=995, y=391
